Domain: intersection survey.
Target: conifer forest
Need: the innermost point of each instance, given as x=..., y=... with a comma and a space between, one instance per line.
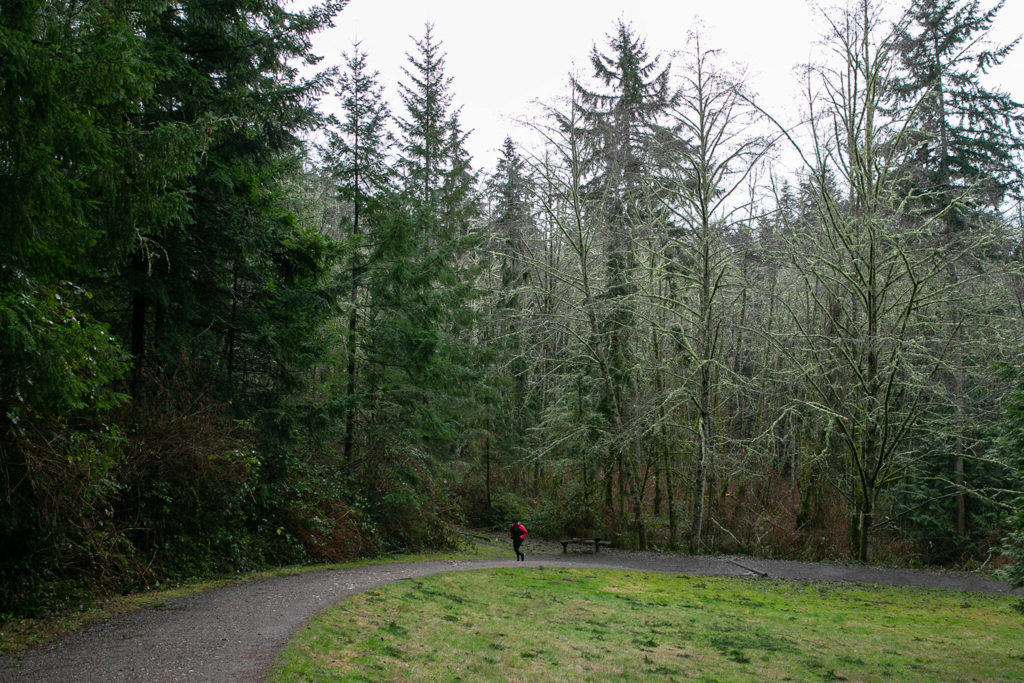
x=252, y=316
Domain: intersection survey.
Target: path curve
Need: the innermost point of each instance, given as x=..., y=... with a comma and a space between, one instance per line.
x=234, y=633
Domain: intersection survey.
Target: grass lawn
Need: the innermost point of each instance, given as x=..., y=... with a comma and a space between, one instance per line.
x=575, y=624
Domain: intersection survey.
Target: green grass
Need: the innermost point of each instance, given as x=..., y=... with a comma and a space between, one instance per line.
x=560, y=624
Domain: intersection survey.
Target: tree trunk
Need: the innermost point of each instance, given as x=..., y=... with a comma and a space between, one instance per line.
x=138, y=323
x=232, y=323
x=657, y=489
x=637, y=493
x=959, y=425
x=701, y=493
x=865, y=538
x=487, y=464
x=353, y=320
x=670, y=498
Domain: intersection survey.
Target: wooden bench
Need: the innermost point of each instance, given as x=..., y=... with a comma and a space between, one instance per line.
x=596, y=542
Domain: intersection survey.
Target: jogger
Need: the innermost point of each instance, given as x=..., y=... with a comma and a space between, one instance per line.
x=517, y=532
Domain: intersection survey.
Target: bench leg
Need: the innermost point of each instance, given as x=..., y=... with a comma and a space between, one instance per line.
x=597, y=544
x=565, y=547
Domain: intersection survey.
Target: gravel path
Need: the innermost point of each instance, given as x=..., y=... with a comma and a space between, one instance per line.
x=234, y=633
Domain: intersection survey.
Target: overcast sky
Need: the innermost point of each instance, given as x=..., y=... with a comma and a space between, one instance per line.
x=503, y=56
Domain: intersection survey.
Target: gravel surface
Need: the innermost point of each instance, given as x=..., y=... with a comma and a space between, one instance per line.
x=234, y=633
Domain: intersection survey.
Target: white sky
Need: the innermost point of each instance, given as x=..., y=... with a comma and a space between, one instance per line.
x=504, y=55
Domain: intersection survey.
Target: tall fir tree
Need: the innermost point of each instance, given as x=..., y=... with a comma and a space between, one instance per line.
x=436, y=166
x=422, y=282
x=358, y=159
x=76, y=166
x=233, y=294
x=512, y=219
x=622, y=122
x=143, y=146
x=202, y=287
x=967, y=137
x=511, y=406
x=965, y=143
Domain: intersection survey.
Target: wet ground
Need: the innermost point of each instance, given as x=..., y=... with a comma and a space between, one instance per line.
x=235, y=633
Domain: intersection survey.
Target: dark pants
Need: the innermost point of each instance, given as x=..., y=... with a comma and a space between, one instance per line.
x=516, y=543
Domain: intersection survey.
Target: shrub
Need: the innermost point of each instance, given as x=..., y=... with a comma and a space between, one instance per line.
x=1011, y=453
x=408, y=500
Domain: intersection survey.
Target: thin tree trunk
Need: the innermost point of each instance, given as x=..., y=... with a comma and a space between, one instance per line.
x=866, y=536
x=487, y=481
x=232, y=323
x=959, y=425
x=670, y=491
x=138, y=323
x=700, y=495
x=353, y=317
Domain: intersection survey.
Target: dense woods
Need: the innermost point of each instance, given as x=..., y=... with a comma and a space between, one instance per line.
x=672, y=318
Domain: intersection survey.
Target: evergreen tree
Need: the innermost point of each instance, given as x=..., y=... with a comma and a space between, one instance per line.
x=358, y=160
x=81, y=175
x=966, y=136
x=512, y=219
x=233, y=293
x=209, y=286
x=75, y=165
x=510, y=410
x=438, y=178
x=422, y=281
x=624, y=126
x=359, y=149
x=964, y=149
x=622, y=123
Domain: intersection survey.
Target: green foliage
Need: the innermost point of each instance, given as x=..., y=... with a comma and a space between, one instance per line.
x=54, y=359
x=85, y=178
x=408, y=499
x=568, y=511
x=184, y=481
x=57, y=451
x=56, y=532
x=1011, y=453
x=963, y=143
x=415, y=302
x=438, y=177
x=966, y=137
x=196, y=379
x=359, y=143
x=1013, y=547
x=146, y=152
x=312, y=512
x=507, y=333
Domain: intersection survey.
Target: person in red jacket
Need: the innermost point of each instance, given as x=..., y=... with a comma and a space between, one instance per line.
x=517, y=532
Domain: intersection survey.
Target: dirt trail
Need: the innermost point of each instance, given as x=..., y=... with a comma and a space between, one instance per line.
x=234, y=633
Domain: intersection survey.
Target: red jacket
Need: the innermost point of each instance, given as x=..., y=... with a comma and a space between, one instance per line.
x=517, y=531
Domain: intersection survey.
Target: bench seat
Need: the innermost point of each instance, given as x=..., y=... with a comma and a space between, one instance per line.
x=596, y=542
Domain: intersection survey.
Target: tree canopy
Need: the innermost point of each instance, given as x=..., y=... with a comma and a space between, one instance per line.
x=241, y=331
